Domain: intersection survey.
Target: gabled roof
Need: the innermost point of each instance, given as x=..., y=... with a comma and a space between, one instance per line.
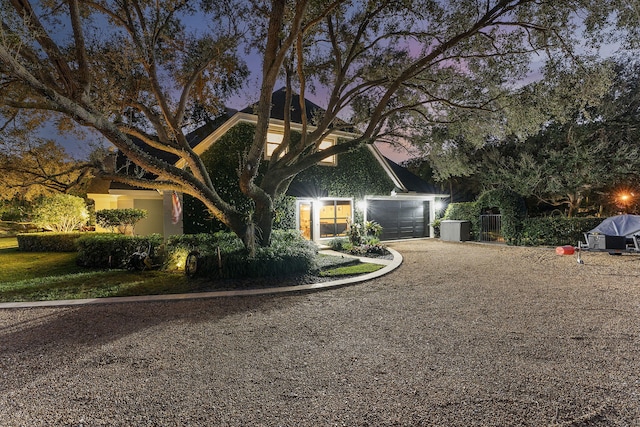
x=278, y=99
x=201, y=139
x=411, y=182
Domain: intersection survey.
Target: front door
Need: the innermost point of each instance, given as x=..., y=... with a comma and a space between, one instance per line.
x=305, y=210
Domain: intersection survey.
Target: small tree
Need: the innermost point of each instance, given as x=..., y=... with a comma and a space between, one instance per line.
x=61, y=213
x=124, y=220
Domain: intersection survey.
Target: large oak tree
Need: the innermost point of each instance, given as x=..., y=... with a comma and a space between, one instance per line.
x=139, y=73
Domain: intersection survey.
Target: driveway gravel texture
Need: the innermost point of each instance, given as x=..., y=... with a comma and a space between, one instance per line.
x=461, y=334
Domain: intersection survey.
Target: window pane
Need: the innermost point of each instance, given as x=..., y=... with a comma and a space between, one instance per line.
x=334, y=215
x=343, y=214
x=326, y=143
x=327, y=219
x=273, y=140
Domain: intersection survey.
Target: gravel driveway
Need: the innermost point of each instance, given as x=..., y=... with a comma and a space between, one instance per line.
x=459, y=335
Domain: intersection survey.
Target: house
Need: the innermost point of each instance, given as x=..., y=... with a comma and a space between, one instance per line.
x=360, y=184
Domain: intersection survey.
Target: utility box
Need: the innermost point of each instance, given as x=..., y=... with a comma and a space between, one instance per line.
x=455, y=231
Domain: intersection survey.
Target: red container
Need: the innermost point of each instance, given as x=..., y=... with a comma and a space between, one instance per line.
x=565, y=250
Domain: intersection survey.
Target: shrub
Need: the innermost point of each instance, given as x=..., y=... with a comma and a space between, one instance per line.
x=555, y=231
x=359, y=233
x=206, y=244
x=372, y=228
x=106, y=250
x=465, y=211
x=289, y=253
x=48, y=242
x=122, y=220
x=355, y=232
x=436, y=227
x=337, y=244
x=61, y=213
x=369, y=249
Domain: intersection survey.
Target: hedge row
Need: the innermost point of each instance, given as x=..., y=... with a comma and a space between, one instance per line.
x=48, y=242
x=106, y=250
x=288, y=254
x=538, y=231
x=555, y=231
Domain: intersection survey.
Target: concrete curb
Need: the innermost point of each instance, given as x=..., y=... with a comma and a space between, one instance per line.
x=390, y=265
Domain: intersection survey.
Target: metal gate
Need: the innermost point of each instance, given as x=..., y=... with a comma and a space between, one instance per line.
x=491, y=228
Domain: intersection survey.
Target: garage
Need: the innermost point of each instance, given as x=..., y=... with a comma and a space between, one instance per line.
x=400, y=218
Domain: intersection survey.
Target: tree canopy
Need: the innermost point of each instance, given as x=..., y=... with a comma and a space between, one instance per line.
x=566, y=162
x=141, y=74
x=34, y=168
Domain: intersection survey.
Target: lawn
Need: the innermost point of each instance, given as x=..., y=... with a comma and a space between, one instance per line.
x=44, y=276
x=41, y=276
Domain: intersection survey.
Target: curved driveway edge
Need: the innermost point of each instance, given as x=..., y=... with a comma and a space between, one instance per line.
x=390, y=265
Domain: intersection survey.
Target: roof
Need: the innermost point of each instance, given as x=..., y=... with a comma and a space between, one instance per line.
x=411, y=182
x=278, y=99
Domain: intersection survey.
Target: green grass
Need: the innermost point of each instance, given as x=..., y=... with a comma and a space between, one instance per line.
x=43, y=276
x=46, y=276
x=8, y=242
x=351, y=270
x=18, y=265
x=94, y=284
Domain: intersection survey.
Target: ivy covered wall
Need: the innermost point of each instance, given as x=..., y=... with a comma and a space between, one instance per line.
x=356, y=174
x=221, y=160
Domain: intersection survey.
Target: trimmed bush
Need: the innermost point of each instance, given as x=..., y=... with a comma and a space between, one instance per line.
x=61, y=213
x=555, y=231
x=465, y=211
x=178, y=247
x=48, y=242
x=122, y=220
x=288, y=254
x=106, y=250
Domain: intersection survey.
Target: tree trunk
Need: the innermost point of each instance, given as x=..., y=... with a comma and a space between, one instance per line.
x=574, y=201
x=264, y=223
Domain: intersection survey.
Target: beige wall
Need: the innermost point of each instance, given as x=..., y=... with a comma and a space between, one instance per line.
x=153, y=222
x=158, y=207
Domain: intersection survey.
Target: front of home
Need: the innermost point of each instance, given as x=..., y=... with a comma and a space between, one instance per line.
x=359, y=185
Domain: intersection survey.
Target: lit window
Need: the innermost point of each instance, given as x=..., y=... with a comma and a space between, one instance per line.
x=327, y=143
x=334, y=216
x=273, y=141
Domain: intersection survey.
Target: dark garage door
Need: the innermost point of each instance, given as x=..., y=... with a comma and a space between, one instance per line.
x=400, y=219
